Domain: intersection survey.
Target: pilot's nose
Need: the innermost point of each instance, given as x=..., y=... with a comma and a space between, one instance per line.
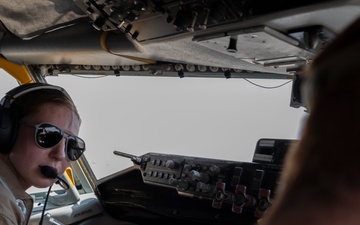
x=58, y=152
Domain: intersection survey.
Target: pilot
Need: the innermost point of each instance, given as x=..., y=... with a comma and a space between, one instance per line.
x=320, y=183
x=39, y=124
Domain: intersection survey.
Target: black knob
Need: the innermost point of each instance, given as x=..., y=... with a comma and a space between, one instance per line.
x=197, y=176
x=263, y=204
x=171, y=164
x=215, y=169
x=232, y=45
x=181, y=184
x=206, y=188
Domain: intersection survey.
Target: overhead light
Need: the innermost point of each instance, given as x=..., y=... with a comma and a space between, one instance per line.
x=145, y=67
x=136, y=67
x=201, y=68
x=96, y=67
x=106, y=67
x=126, y=67
x=179, y=67
x=214, y=69
x=190, y=67
x=87, y=67
x=237, y=70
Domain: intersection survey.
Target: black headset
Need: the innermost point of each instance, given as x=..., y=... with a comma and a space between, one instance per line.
x=9, y=114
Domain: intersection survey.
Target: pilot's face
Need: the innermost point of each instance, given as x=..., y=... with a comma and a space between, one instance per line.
x=27, y=157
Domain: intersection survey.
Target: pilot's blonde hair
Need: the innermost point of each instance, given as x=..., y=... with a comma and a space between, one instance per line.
x=30, y=103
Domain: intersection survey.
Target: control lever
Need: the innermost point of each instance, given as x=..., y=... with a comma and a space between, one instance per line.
x=71, y=196
x=264, y=202
x=135, y=159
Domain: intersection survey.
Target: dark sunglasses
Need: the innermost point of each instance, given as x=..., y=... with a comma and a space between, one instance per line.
x=48, y=135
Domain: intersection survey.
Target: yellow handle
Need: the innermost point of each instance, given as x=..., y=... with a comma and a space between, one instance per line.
x=20, y=73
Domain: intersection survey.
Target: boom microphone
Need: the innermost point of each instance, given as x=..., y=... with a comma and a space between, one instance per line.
x=49, y=172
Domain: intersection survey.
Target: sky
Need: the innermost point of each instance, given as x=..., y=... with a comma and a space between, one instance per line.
x=204, y=117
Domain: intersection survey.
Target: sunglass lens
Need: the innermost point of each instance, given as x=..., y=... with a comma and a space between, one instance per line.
x=48, y=135
x=75, y=148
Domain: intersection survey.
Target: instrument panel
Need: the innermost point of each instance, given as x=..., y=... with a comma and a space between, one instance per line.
x=240, y=184
x=160, y=188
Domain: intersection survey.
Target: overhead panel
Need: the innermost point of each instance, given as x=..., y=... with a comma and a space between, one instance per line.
x=147, y=20
x=245, y=45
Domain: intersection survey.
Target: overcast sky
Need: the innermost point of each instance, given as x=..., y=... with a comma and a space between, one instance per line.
x=203, y=117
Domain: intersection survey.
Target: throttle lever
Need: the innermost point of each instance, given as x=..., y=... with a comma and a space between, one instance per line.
x=135, y=159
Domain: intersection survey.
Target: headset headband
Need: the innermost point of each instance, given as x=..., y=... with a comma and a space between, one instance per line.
x=26, y=88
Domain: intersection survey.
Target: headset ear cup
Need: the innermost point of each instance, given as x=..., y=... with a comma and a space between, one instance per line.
x=8, y=128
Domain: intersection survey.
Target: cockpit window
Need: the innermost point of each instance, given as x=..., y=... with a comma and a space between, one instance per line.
x=202, y=117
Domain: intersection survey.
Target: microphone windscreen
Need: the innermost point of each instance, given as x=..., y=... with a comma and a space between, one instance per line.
x=48, y=171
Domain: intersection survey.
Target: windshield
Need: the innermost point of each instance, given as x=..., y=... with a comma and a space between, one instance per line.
x=203, y=117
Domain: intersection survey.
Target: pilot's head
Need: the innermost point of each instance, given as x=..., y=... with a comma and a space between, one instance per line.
x=320, y=181
x=40, y=128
